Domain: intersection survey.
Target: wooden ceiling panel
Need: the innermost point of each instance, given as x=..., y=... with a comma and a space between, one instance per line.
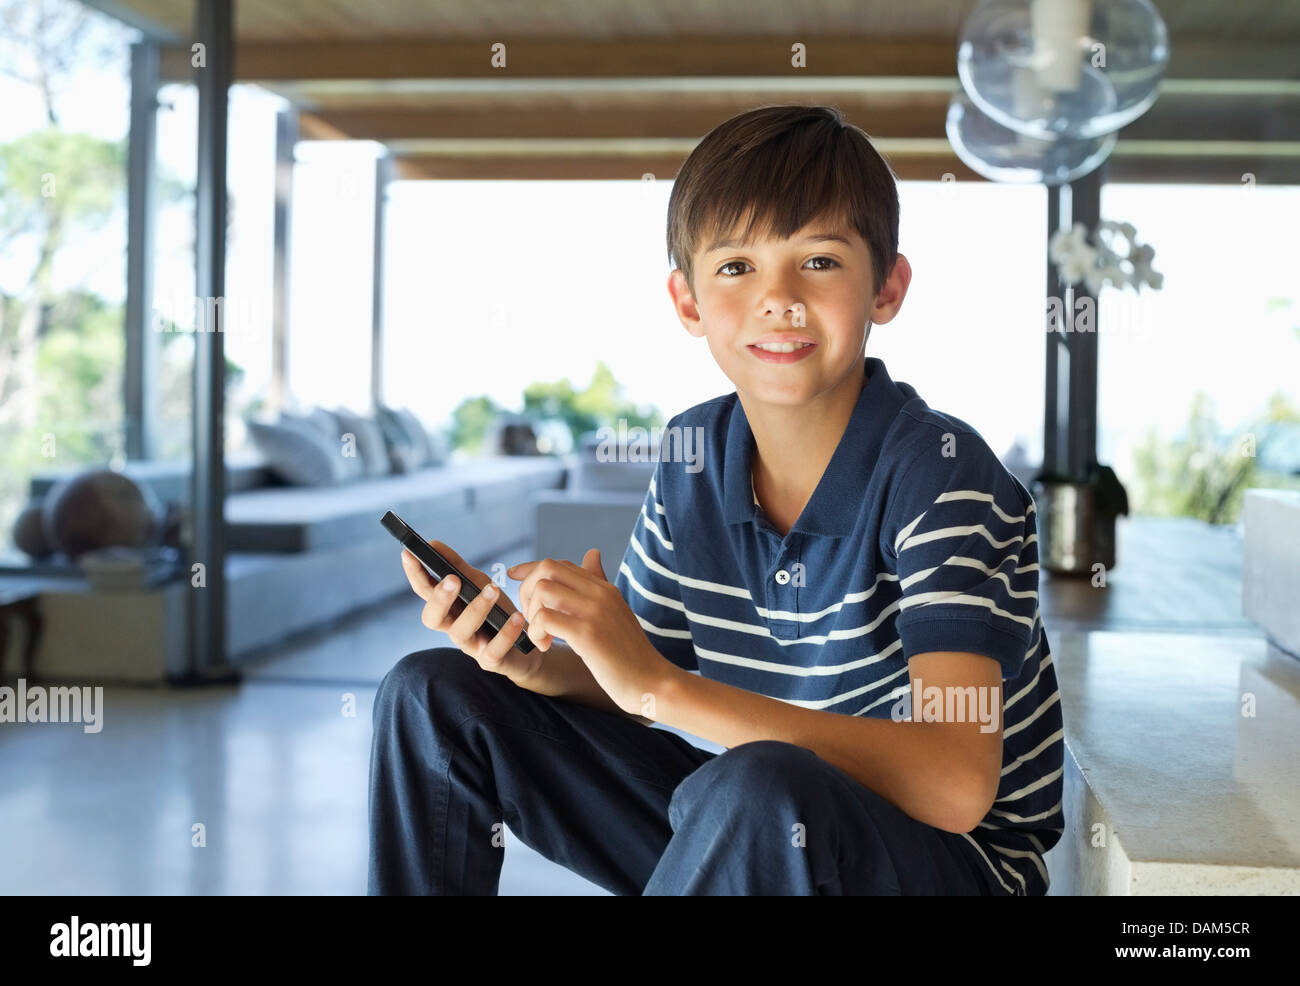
x=609, y=88
x=355, y=62
x=322, y=20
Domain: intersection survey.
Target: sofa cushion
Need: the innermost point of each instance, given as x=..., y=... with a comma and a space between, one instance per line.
x=436, y=501
x=437, y=447
x=419, y=436
x=404, y=453
x=321, y=419
x=368, y=439
x=607, y=445
x=612, y=477
x=331, y=426
x=296, y=451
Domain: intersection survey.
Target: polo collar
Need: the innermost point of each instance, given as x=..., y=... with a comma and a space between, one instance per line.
x=836, y=503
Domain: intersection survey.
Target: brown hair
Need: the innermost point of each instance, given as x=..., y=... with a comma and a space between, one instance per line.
x=785, y=165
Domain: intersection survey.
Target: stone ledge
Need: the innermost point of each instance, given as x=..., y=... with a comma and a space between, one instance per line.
x=1270, y=564
x=1189, y=795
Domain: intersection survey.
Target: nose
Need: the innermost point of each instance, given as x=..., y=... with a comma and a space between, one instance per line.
x=779, y=296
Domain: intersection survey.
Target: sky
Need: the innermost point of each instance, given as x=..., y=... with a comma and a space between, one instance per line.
x=494, y=285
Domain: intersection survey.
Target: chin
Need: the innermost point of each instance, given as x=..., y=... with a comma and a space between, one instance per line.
x=792, y=394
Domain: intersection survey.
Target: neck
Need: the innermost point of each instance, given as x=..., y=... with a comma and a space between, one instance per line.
x=793, y=446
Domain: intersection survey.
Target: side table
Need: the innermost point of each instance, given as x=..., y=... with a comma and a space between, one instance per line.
x=18, y=598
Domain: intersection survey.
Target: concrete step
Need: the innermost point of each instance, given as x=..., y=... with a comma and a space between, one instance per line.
x=1270, y=573
x=1181, y=776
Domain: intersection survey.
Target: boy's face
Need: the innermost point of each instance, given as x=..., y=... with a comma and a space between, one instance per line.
x=804, y=289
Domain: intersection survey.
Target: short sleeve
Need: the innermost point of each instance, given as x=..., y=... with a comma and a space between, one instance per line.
x=962, y=531
x=647, y=578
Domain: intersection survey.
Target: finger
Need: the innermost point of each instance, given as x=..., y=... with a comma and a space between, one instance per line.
x=557, y=623
x=465, y=626
x=552, y=596
x=538, y=571
x=498, y=654
x=591, y=563
x=473, y=575
x=422, y=583
x=526, y=608
x=447, y=552
x=521, y=569
x=537, y=630
x=557, y=569
x=441, y=601
x=519, y=572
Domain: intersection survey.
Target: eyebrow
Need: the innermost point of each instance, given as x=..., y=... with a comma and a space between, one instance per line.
x=813, y=238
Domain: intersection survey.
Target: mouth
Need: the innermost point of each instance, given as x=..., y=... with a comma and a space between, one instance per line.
x=782, y=352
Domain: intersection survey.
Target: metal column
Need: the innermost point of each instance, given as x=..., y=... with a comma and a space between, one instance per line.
x=383, y=175
x=1078, y=498
x=1070, y=411
x=213, y=29
x=286, y=138
x=139, y=375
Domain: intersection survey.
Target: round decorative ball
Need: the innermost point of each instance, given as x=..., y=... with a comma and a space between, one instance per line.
x=29, y=532
x=101, y=509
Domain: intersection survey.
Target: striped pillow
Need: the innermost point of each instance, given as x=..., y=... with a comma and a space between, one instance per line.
x=296, y=452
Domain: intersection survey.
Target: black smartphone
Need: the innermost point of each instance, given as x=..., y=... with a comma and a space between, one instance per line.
x=440, y=568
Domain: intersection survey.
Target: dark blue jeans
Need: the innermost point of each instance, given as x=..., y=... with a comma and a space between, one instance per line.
x=637, y=810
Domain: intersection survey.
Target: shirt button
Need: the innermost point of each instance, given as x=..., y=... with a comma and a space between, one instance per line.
x=782, y=577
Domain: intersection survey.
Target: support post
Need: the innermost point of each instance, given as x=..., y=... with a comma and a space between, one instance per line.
x=140, y=368
x=383, y=175
x=286, y=138
x=208, y=659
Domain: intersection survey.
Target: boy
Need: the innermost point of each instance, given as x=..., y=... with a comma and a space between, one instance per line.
x=844, y=597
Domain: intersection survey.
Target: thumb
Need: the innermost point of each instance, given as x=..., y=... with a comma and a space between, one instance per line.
x=591, y=562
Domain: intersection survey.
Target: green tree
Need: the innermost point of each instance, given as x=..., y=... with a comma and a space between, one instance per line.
x=56, y=185
x=61, y=347
x=1201, y=474
x=601, y=403
x=471, y=422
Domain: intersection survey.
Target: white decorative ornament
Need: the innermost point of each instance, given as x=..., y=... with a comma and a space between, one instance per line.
x=1104, y=264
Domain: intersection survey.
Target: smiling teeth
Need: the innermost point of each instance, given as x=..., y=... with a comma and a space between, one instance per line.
x=781, y=347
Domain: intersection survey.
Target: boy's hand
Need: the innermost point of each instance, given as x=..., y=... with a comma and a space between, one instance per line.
x=444, y=611
x=590, y=614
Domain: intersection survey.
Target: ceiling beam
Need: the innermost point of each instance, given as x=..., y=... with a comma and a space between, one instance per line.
x=698, y=57
x=917, y=118
x=1171, y=118
x=911, y=160
x=576, y=58
x=313, y=127
x=623, y=167
x=151, y=28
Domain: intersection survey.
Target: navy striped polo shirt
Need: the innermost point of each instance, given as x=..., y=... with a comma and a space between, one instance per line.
x=916, y=539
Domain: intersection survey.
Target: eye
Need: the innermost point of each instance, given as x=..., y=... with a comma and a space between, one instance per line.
x=733, y=263
x=827, y=259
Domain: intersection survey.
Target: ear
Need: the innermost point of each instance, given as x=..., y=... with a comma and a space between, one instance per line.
x=889, y=299
x=688, y=312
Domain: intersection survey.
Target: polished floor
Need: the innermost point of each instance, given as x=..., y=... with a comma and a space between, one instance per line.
x=258, y=788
